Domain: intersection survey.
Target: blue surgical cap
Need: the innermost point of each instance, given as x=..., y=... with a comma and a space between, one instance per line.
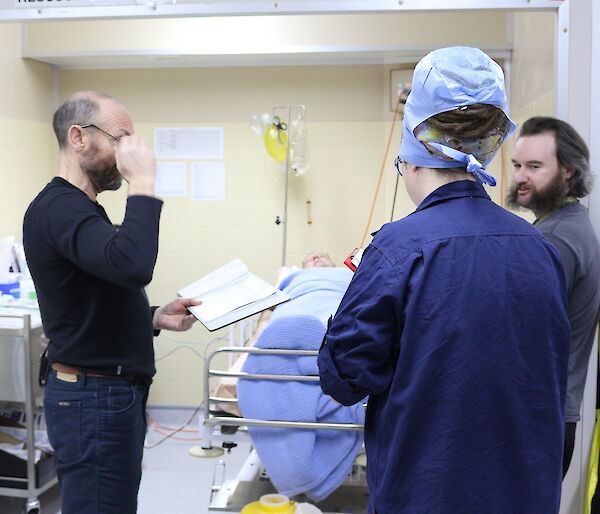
x=444, y=80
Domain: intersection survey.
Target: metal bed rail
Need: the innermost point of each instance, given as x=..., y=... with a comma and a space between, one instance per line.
x=213, y=421
x=231, y=495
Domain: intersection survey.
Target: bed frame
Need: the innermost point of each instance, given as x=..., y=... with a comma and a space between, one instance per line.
x=252, y=482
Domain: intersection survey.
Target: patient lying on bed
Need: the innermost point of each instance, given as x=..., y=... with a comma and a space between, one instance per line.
x=314, y=462
x=308, y=461
x=316, y=289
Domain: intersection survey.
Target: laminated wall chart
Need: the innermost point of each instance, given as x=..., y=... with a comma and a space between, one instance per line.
x=190, y=143
x=171, y=179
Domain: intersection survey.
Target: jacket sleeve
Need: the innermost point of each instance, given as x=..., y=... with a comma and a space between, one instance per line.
x=81, y=234
x=361, y=348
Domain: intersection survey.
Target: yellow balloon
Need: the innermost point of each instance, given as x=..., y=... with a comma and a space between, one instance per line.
x=276, y=143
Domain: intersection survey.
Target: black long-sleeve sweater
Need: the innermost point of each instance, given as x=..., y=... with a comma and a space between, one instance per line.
x=89, y=278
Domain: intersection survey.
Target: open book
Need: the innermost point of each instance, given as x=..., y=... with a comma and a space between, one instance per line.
x=229, y=294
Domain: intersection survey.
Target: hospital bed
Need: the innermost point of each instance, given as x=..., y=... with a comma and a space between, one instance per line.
x=227, y=431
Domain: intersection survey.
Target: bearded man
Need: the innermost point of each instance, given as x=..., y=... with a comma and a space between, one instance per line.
x=551, y=173
x=89, y=277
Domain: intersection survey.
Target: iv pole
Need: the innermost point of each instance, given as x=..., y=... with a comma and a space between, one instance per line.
x=288, y=109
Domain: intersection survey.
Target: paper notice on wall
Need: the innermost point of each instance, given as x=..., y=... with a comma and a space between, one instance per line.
x=208, y=181
x=188, y=142
x=171, y=179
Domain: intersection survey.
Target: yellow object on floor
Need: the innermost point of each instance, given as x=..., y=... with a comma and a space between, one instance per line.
x=592, y=482
x=270, y=503
x=592, y=478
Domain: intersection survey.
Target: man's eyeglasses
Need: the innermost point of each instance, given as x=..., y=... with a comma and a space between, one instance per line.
x=91, y=125
x=398, y=163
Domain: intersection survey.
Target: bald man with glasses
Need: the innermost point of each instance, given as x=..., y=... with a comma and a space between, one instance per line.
x=90, y=278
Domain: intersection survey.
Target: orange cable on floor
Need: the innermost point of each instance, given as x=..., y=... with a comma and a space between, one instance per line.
x=160, y=425
x=178, y=438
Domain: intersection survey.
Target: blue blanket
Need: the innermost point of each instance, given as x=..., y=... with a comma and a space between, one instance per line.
x=314, y=462
x=313, y=292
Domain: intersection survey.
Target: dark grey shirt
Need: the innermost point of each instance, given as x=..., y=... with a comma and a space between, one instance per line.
x=569, y=229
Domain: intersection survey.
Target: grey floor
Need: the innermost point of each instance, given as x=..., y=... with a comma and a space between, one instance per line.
x=172, y=480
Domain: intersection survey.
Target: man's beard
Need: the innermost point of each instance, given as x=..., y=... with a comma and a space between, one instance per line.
x=103, y=175
x=543, y=200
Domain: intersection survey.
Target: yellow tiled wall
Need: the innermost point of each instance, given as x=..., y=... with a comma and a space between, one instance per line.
x=347, y=131
x=532, y=85
x=26, y=142
x=348, y=123
x=28, y=162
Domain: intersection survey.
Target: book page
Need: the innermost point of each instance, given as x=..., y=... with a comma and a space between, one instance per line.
x=230, y=273
x=228, y=288
x=237, y=294
x=247, y=310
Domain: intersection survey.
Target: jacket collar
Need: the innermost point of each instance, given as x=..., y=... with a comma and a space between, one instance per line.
x=453, y=190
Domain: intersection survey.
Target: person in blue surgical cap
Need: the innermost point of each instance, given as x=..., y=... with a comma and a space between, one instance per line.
x=455, y=322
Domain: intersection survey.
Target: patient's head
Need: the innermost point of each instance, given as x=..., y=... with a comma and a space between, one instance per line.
x=317, y=260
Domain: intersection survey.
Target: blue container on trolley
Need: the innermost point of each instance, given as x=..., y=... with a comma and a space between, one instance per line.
x=11, y=288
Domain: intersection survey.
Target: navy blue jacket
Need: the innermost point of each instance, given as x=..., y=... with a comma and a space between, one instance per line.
x=455, y=325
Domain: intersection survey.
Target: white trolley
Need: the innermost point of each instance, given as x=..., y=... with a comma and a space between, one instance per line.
x=21, y=343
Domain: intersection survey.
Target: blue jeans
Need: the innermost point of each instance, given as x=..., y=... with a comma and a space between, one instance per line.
x=97, y=427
